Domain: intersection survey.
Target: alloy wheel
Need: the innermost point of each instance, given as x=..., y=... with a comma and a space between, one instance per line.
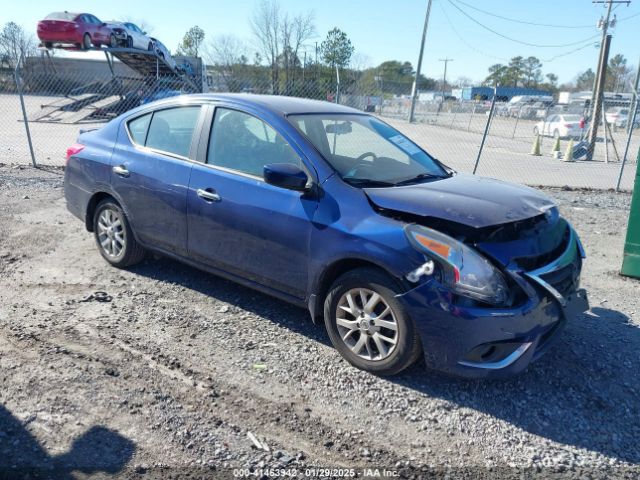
x=367, y=324
x=112, y=235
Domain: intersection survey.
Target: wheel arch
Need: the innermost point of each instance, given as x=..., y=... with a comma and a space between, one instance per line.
x=95, y=199
x=332, y=272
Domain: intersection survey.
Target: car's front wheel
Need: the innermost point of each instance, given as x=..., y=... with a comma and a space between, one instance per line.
x=114, y=236
x=368, y=325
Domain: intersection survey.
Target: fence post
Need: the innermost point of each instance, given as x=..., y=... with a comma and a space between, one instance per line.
x=24, y=111
x=626, y=148
x=471, y=116
x=513, y=135
x=486, y=129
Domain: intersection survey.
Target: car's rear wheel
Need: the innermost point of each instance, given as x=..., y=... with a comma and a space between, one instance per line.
x=114, y=236
x=368, y=325
x=86, y=41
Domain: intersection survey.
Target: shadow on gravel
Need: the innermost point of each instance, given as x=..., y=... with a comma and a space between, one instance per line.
x=97, y=450
x=277, y=311
x=584, y=392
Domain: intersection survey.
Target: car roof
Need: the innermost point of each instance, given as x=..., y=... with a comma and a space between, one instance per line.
x=278, y=104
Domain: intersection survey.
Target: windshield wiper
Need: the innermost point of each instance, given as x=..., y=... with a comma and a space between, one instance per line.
x=356, y=181
x=417, y=178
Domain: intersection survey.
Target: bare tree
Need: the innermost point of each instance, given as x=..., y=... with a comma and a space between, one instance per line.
x=15, y=43
x=280, y=39
x=265, y=24
x=227, y=53
x=294, y=32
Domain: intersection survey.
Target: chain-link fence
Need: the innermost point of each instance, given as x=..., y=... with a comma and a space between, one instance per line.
x=533, y=141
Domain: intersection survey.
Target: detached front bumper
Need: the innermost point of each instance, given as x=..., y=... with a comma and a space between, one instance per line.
x=481, y=342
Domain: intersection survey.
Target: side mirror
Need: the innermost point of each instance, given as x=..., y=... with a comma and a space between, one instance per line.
x=103, y=24
x=286, y=175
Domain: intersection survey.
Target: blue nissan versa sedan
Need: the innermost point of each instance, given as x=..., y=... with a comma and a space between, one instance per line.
x=334, y=210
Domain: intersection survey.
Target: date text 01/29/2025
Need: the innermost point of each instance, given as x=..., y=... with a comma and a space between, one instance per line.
x=316, y=473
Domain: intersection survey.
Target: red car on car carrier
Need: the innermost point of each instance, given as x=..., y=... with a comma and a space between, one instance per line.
x=79, y=29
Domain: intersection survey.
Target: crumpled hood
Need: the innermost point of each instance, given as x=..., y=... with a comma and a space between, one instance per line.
x=467, y=199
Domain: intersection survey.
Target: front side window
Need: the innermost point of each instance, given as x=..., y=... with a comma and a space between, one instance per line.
x=244, y=143
x=365, y=151
x=170, y=130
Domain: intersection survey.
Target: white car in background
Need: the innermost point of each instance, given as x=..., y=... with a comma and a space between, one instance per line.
x=163, y=52
x=560, y=126
x=614, y=114
x=129, y=35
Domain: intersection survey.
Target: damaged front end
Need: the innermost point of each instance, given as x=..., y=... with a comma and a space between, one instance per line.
x=501, y=292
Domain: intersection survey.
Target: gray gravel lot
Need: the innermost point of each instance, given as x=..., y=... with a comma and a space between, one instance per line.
x=168, y=372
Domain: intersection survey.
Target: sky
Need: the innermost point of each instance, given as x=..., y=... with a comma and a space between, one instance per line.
x=392, y=29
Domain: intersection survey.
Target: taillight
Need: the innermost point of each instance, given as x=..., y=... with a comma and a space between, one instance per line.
x=74, y=150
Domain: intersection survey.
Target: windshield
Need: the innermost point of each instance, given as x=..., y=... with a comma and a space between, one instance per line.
x=367, y=152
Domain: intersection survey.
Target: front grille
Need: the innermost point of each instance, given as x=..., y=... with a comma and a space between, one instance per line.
x=565, y=279
x=534, y=262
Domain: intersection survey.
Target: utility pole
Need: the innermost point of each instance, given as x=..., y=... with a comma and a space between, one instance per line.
x=414, y=88
x=599, y=84
x=444, y=77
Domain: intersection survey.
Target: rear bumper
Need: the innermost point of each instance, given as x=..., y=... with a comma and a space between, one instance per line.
x=60, y=37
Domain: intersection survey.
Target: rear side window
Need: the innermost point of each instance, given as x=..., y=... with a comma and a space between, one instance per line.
x=138, y=129
x=169, y=130
x=69, y=17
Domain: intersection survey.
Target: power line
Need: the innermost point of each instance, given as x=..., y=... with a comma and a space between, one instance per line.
x=524, y=22
x=549, y=25
x=560, y=55
x=504, y=59
x=469, y=46
x=515, y=40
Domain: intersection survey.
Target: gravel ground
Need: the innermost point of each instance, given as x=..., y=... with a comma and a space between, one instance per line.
x=171, y=370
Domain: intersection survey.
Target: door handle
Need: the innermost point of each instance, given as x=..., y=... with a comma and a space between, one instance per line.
x=208, y=195
x=121, y=170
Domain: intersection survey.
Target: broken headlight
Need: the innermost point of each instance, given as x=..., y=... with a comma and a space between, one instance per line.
x=464, y=270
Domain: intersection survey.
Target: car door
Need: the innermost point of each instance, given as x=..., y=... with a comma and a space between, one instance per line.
x=150, y=173
x=99, y=34
x=239, y=223
x=136, y=35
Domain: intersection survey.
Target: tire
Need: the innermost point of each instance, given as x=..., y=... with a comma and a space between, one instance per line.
x=113, y=41
x=86, y=41
x=536, y=131
x=109, y=214
x=366, y=354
